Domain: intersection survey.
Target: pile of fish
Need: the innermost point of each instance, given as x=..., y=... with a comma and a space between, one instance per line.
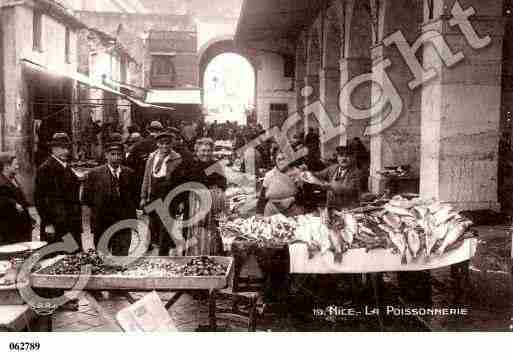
x=412, y=228
x=266, y=231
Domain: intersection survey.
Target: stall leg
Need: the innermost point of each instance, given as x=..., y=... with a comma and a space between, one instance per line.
x=212, y=310
x=173, y=300
x=460, y=273
x=375, y=288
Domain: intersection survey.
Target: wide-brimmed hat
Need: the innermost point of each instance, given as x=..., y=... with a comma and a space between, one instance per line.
x=114, y=142
x=60, y=139
x=344, y=150
x=171, y=132
x=155, y=126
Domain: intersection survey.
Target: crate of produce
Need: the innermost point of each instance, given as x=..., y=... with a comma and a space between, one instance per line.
x=146, y=273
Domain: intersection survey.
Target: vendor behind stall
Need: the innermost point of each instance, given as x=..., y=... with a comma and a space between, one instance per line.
x=343, y=180
x=280, y=190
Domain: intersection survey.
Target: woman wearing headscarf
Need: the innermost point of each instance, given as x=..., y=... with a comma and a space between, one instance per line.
x=203, y=237
x=15, y=221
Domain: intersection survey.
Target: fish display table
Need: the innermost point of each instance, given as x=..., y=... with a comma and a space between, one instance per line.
x=375, y=261
x=127, y=282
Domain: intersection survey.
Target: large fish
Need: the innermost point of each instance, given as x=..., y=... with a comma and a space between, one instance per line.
x=399, y=242
x=420, y=212
x=414, y=243
x=399, y=211
x=443, y=215
x=456, y=230
x=350, y=223
x=392, y=220
x=337, y=243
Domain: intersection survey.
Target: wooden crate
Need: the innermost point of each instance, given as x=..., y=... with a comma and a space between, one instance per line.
x=121, y=282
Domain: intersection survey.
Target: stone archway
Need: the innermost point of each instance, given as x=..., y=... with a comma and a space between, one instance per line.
x=221, y=45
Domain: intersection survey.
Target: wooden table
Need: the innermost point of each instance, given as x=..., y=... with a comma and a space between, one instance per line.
x=124, y=285
x=358, y=261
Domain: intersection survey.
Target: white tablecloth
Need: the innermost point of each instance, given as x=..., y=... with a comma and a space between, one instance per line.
x=379, y=260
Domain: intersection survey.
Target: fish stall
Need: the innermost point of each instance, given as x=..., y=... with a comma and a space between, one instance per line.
x=399, y=234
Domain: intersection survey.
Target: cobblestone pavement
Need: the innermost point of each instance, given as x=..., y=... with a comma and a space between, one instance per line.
x=488, y=301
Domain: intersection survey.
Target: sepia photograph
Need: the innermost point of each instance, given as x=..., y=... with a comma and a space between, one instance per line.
x=274, y=166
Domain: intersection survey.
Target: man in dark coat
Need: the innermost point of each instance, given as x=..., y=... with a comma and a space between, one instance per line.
x=111, y=193
x=15, y=221
x=142, y=150
x=57, y=194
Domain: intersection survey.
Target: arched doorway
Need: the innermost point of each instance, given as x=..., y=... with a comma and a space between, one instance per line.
x=221, y=52
x=228, y=88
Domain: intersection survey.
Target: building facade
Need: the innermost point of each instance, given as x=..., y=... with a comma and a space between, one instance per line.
x=423, y=83
x=38, y=45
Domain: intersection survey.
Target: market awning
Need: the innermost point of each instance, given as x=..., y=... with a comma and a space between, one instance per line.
x=179, y=97
x=86, y=80
x=262, y=22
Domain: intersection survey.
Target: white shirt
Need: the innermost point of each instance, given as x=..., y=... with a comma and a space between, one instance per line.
x=163, y=170
x=115, y=172
x=65, y=165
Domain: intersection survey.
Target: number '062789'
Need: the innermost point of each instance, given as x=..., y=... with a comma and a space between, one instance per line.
x=24, y=346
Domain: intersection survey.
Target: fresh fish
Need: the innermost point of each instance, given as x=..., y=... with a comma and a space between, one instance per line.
x=443, y=215
x=399, y=242
x=414, y=243
x=337, y=243
x=392, y=220
x=430, y=238
x=434, y=207
x=399, y=211
x=366, y=230
x=410, y=222
x=455, y=232
x=350, y=223
x=420, y=212
x=348, y=236
x=398, y=201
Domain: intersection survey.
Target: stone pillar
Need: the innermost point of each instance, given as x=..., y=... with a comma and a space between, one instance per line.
x=329, y=89
x=461, y=111
x=18, y=127
x=349, y=69
x=310, y=95
x=399, y=144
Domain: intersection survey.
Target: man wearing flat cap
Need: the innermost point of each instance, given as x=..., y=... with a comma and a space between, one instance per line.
x=111, y=193
x=57, y=194
x=342, y=180
x=165, y=170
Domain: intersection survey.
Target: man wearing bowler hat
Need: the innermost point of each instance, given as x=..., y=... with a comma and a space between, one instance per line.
x=57, y=193
x=342, y=180
x=165, y=170
x=112, y=194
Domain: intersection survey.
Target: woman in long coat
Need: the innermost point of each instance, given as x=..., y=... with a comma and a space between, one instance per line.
x=204, y=237
x=15, y=221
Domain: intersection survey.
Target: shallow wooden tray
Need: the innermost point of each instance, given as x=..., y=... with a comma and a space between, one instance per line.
x=125, y=282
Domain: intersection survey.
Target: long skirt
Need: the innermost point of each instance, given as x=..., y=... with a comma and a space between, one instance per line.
x=203, y=237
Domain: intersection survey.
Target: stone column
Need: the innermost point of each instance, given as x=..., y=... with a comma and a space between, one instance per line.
x=310, y=95
x=461, y=112
x=17, y=122
x=329, y=89
x=349, y=69
x=398, y=144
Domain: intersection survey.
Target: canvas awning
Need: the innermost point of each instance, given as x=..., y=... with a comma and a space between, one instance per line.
x=179, y=97
x=86, y=80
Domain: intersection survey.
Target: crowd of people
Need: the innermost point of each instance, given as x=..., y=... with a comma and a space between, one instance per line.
x=142, y=169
